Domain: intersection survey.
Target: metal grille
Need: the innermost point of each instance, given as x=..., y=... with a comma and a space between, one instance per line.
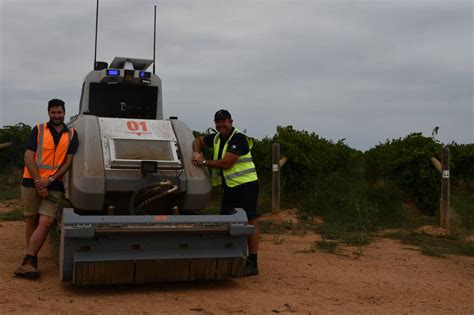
x=143, y=150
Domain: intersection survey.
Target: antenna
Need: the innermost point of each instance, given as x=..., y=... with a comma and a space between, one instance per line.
x=154, y=40
x=96, y=26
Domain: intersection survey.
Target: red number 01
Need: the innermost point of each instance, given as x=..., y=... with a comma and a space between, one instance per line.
x=133, y=125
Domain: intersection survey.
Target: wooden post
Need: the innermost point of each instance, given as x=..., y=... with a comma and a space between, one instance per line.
x=276, y=178
x=437, y=164
x=445, y=189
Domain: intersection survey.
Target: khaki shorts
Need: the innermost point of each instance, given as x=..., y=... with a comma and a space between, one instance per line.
x=32, y=204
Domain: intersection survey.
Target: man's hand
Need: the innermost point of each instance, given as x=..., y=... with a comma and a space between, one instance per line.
x=198, y=145
x=42, y=183
x=42, y=192
x=197, y=159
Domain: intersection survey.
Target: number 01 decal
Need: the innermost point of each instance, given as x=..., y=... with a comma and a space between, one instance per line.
x=134, y=126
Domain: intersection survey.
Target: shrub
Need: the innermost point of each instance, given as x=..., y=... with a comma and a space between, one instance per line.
x=406, y=164
x=12, y=156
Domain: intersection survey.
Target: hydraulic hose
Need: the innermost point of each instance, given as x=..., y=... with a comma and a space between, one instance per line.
x=149, y=194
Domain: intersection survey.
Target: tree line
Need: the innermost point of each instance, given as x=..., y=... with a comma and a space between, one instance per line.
x=322, y=175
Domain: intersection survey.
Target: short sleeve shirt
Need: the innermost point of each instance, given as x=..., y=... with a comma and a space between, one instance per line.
x=32, y=145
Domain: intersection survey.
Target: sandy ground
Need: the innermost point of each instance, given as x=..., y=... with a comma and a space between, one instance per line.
x=386, y=277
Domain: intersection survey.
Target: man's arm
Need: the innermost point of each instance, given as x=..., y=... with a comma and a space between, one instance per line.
x=64, y=167
x=198, y=144
x=30, y=151
x=30, y=163
x=238, y=147
x=45, y=182
x=226, y=162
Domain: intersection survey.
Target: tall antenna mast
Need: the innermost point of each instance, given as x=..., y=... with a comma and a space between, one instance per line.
x=154, y=40
x=96, y=26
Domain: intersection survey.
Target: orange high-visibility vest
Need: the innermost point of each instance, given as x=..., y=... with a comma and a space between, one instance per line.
x=48, y=156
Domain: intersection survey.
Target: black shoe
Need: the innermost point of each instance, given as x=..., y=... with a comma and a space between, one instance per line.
x=250, y=270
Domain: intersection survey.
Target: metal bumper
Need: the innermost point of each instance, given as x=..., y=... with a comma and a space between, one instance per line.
x=138, y=249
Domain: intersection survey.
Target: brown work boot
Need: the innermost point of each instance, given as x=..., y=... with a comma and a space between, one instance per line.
x=27, y=271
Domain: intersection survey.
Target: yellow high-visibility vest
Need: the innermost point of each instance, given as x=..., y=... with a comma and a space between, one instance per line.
x=243, y=171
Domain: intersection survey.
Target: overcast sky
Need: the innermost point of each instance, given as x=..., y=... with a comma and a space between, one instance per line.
x=365, y=71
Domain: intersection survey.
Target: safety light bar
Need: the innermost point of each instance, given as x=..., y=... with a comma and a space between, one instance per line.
x=113, y=72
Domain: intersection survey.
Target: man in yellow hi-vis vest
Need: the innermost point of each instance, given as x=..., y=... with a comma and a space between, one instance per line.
x=48, y=156
x=233, y=168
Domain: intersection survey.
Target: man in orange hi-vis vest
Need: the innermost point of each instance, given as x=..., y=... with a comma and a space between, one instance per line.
x=48, y=156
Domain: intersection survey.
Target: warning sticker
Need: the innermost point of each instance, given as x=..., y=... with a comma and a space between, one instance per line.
x=160, y=218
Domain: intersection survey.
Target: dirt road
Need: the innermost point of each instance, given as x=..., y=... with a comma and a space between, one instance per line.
x=387, y=277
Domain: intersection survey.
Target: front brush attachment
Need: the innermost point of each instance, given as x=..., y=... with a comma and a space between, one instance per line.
x=139, y=249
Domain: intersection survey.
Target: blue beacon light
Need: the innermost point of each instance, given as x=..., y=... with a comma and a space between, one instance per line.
x=113, y=72
x=145, y=74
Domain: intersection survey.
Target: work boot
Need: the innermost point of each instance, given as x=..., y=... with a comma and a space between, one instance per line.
x=27, y=271
x=250, y=270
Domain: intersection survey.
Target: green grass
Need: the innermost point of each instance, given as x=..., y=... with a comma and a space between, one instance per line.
x=437, y=246
x=332, y=247
x=326, y=246
x=431, y=251
x=467, y=248
x=287, y=227
x=359, y=252
x=265, y=199
x=13, y=215
x=344, y=234
x=462, y=206
x=353, y=215
x=270, y=227
x=357, y=239
x=7, y=192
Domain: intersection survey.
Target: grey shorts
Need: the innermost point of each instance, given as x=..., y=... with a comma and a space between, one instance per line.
x=32, y=204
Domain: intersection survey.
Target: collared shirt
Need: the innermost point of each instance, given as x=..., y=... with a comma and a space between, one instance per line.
x=32, y=145
x=237, y=145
